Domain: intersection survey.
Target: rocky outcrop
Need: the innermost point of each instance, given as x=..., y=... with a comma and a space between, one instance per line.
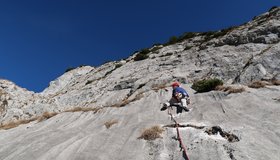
x=242, y=62
x=262, y=29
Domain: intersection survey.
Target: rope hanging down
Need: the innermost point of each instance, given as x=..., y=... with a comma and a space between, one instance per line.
x=182, y=146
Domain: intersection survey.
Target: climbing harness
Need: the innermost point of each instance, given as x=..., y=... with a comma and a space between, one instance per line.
x=182, y=146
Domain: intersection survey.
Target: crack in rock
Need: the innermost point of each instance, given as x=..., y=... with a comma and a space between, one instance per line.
x=276, y=99
x=217, y=129
x=183, y=126
x=229, y=152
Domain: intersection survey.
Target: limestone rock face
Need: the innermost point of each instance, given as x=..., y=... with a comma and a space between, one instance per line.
x=263, y=29
x=130, y=93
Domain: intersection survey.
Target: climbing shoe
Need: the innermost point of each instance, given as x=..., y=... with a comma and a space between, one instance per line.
x=165, y=105
x=186, y=109
x=163, y=108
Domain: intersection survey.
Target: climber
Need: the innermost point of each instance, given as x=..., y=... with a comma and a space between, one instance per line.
x=179, y=98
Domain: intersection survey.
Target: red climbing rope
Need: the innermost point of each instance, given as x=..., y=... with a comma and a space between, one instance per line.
x=179, y=135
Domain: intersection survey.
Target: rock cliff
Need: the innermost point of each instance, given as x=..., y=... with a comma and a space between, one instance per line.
x=128, y=94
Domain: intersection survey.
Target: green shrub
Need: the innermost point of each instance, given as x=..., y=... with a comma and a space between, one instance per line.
x=219, y=33
x=187, y=35
x=208, y=35
x=118, y=65
x=206, y=85
x=143, y=54
x=156, y=48
x=140, y=57
x=145, y=51
x=215, y=34
x=173, y=40
x=224, y=31
x=272, y=8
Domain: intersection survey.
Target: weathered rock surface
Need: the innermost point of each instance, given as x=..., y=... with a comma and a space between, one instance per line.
x=241, y=55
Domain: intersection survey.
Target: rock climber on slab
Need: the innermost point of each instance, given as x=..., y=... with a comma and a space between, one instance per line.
x=180, y=98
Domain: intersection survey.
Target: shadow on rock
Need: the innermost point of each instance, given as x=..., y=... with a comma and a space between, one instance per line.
x=217, y=129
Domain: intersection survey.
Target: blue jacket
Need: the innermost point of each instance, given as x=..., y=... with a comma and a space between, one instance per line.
x=179, y=90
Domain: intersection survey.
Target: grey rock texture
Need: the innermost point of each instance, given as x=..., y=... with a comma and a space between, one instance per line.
x=252, y=116
x=132, y=92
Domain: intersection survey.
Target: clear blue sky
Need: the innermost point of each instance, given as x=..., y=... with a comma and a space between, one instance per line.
x=40, y=39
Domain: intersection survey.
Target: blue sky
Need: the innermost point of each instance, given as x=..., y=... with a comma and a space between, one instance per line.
x=40, y=39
